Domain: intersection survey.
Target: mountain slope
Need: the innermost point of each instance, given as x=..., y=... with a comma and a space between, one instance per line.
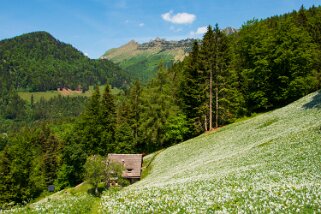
x=265, y=164
x=140, y=61
x=39, y=62
x=269, y=163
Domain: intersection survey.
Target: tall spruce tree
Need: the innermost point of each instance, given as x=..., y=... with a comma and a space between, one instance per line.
x=124, y=134
x=90, y=124
x=135, y=102
x=159, y=106
x=107, y=122
x=221, y=68
x=209, y=61
x=191, y=91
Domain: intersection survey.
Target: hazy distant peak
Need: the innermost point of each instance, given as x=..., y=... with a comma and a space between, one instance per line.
x=229, y=30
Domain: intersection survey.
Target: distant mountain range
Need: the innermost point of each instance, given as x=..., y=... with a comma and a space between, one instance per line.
x=141, y=61
x=38, y=62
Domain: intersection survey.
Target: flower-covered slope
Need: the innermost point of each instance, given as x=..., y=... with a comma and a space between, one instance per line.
x=269, y=163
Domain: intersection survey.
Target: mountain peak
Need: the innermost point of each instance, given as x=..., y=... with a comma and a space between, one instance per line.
x=229, y=30
x=167, y=45
x=141, y=60
x=132, y=42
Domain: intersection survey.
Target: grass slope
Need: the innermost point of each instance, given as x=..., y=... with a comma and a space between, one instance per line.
x=269, y=163
x=142, y=64
x=51, y=94
x=72, y=200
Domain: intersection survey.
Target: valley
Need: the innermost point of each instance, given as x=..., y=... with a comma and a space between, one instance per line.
x=227, y=122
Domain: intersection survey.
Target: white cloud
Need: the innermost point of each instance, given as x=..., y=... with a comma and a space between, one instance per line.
x=179, y=18
x=199, y=31
x=141, y=25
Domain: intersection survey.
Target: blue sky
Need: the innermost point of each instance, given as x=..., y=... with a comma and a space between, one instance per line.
x=94, y=26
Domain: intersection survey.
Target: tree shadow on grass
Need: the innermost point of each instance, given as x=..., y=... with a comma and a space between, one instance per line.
x=315, y=102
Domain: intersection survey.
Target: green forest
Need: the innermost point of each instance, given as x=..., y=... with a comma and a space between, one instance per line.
x=39, y=62
x=265, y=65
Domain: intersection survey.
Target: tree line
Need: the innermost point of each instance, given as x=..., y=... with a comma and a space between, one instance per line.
x=265, y=65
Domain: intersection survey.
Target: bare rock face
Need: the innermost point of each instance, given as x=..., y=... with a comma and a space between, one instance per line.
x=132, y=49
x=167, y=45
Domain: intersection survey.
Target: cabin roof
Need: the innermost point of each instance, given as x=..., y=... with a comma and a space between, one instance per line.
x=131, y=162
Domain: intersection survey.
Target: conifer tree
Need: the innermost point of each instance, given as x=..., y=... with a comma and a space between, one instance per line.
x=90, y=125
x=209, y=59
x=158, y=105
x=191, y=91
x=136, y=108
x=108, y=122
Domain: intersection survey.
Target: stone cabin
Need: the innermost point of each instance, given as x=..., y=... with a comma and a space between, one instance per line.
x=132, y=164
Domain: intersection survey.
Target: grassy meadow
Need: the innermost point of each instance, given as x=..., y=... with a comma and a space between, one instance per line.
x=51, y=94
x=266, y=164
x=270, y=163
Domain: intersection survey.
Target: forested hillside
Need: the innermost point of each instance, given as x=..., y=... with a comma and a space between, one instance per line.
x=39, y=62
x=265, y=65
x=268, y=163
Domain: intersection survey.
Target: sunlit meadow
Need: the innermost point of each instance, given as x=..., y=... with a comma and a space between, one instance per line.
x=268, y=164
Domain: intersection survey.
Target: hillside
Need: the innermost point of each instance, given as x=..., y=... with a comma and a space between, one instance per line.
x=47, y=95
x=140, y=61
x=38, y=62
x=269, y=163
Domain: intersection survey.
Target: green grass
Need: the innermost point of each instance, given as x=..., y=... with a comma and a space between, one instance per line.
x=38, y=95
x=51, y=94
x=267, y=164
x=144, y=66
x=71, y=200
x=148, y=163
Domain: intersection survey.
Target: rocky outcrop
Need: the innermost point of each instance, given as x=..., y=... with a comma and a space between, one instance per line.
x=185, y=44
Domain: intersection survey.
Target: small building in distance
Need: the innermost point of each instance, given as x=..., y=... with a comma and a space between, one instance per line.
x=132, y=164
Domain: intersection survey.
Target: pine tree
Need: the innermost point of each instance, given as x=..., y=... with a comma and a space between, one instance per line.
x=135, y=111
x=50, y=154
x=191, y=91
x=158, y=106
x=108, y=122
x=88, y=129
x=209, y=58
x=221, y=70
